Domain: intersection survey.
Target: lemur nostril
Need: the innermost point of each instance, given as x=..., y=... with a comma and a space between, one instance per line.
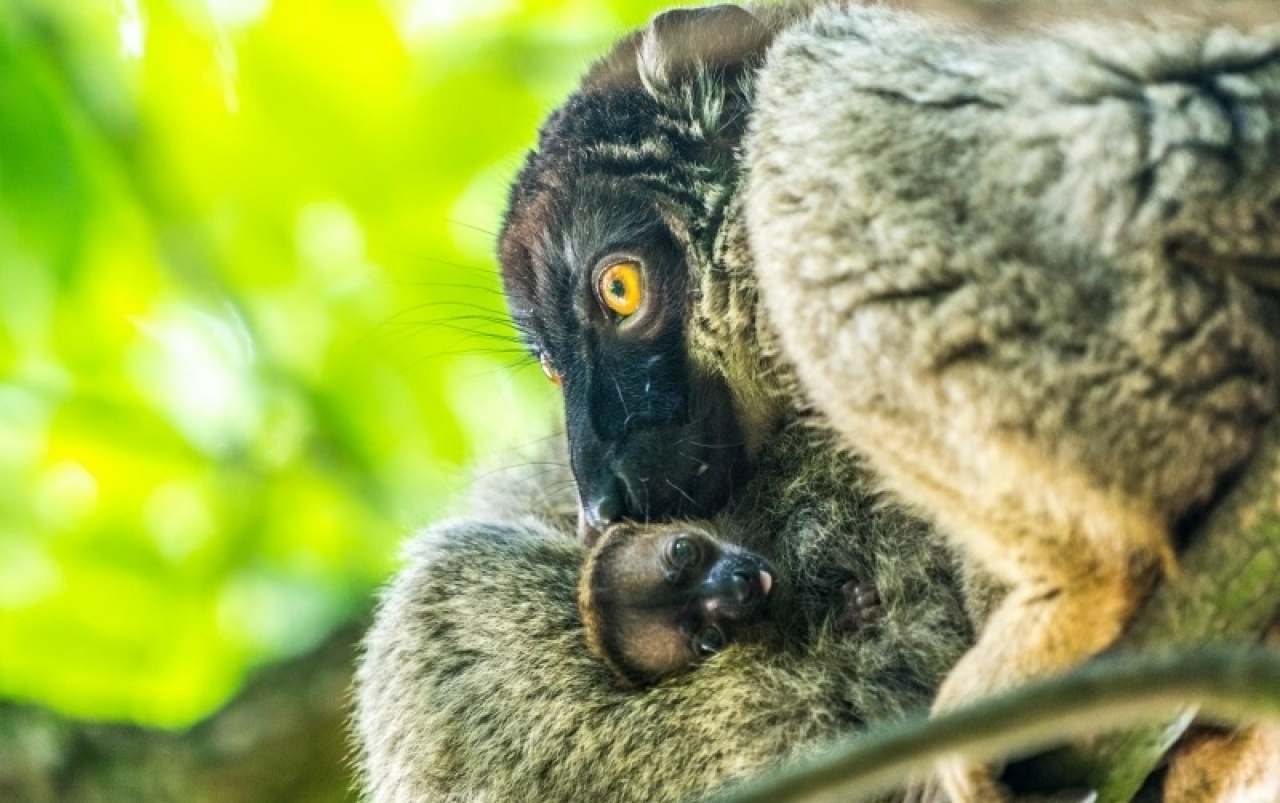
x=603, y=511
x=596, y=514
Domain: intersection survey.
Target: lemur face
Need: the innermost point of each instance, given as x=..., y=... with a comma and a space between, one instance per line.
x=604, y=305
x=658, y=600
x=609, y=233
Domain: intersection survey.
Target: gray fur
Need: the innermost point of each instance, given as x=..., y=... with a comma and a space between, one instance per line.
x=476, y=683
x=1031, y=277
x=1026, y=274
x=966, y=236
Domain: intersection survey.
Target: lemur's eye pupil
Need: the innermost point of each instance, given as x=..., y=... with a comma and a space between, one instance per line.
x=682, y=552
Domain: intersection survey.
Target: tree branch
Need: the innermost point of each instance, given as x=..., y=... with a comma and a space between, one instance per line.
x=283, y=738
x=1232, y=684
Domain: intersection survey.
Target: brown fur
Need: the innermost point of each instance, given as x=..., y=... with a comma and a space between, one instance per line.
x=1226, y=767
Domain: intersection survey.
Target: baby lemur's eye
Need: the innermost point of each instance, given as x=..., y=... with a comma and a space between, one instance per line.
x=621, y=288
x=682, y=553
x=549, y=369
x=708, y=641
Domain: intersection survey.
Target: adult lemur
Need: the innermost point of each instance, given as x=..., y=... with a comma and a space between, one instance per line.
x=477, y=683
x=1028, y=275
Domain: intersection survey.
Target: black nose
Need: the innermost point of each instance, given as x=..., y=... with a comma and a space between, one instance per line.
x=737, y=590
x=619, y=492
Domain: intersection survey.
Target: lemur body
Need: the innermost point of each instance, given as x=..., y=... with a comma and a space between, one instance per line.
x=477, y=683
x=1028, y=275
x=1023, y=296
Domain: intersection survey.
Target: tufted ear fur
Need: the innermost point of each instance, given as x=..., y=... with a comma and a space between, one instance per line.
x=677, y=45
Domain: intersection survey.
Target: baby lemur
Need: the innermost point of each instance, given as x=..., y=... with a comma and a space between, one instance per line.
x=1029, y=274
x=657, y=600
x=477, y=683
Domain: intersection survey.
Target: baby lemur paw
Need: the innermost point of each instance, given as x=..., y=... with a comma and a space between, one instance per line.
x=861, y=607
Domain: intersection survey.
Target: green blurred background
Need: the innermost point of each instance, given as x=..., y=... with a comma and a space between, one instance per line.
x=250, y=332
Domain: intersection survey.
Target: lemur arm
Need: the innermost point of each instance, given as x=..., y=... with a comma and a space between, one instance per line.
x=1226, y=593
x=1230, y=684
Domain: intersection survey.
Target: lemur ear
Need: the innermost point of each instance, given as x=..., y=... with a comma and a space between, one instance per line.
x=678, y=44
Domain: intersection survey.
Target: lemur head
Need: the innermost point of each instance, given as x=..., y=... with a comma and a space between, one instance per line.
x=657, y=600
x=628, y=276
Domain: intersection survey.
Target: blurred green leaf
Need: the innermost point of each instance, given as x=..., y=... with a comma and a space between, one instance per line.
x=250, y=329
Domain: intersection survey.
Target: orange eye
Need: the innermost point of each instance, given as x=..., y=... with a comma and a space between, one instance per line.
x=620, y=288
x=549, y=369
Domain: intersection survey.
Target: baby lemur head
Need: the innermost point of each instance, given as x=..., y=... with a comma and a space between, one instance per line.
x=657, y=600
